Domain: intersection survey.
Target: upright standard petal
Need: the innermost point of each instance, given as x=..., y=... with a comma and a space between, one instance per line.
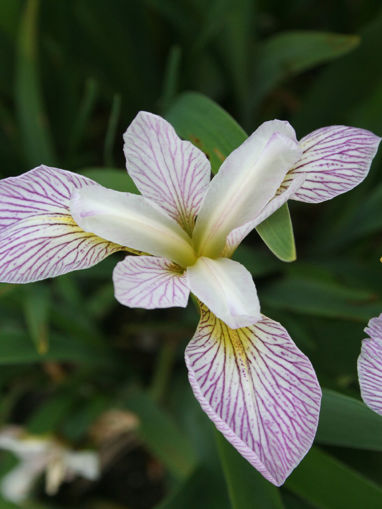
x=370, y=366
x=335, y=159
x=150, y=282
x=171, y=172
x=260, y=391
x=38, y=236
x=132, y=221
x=237, y=235
x=227, y=288
x=246, y=181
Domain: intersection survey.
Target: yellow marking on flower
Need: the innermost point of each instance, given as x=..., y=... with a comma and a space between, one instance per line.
x=234, y=339
x=67, y=220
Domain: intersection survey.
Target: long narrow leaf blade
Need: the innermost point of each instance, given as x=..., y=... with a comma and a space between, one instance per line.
x=246, y=487
x=329, y=484
x=32, y=118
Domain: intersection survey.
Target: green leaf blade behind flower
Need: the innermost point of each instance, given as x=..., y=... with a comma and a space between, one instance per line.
x=33, y=126
x=113, y=178
x=328, y=483
x=277, y=233
x=246, y=486
x=200, y=120
x=347, y=422
x=288, y=53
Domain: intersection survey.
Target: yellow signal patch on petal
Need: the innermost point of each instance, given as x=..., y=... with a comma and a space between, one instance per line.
x=257, y=387
x=47, y=245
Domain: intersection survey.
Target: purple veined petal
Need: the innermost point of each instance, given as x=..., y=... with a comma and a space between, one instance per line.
x=370, y=366
x=171, y=172
x=38, y=236
x=335, y=159
x=131, y=220
x=259, y=390
x=237, y=235
x=246, y=181
x=227, y=288
x=150, y=282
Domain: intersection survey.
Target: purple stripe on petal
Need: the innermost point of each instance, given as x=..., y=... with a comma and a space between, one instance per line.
x=149, y=282
x=260, y=391
x=38, y=236
x=171, y=172
x=370, y=366
x=335, y=159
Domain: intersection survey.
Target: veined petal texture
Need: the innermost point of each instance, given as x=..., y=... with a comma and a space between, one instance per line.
x=150, y=282
x=132, y=221
x=38, y=236
x=260, y=391
x=227, y=288
x=246, y=181
x=335, y=159
x=370, y=366
x=171, y=172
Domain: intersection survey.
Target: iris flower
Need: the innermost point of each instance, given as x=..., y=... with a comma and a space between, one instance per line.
x=249, y=377
x=369, y=365
x=37, y=455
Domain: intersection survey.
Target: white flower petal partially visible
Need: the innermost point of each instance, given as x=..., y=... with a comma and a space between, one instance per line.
x=370, y=365
x=37, y=455
x=227, y=289
x=259, y=390
x=247, y=180
x=335, y=160
x=150, y=282
x=169, y=171
x=38, y=236
x=130, y=220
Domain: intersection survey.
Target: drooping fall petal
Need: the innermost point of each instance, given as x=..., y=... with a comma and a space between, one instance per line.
x=171, y=172
x=260, y=391
x=335, y=159
x=149, y=282
x=227, y=288
x=370, y=366
x=246, y=181
x=132, y=221
x=38, y=236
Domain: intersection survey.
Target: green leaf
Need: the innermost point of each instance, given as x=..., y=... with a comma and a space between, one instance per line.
x=114, y=178
x=289, y=53
x=347, y=422
x=200, y=489
x=161, y=435
x=277, y=233
x=246, y=486
x=48, y=416
x=317, y=297
x=217, y=134
x=329, y=484
x=171, y=77
x=112, y=130
x=36, y=305
x=86, y=107
x=200, y=120
x=16, y=348
x=28, y=96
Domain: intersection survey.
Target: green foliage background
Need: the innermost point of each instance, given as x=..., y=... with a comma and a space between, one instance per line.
x=73, y=75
